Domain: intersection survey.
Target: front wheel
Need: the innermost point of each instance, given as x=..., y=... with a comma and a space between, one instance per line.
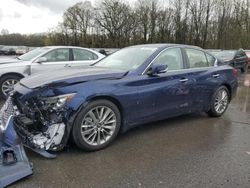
x=97, y=125
x=7, y=84
x=219, y=102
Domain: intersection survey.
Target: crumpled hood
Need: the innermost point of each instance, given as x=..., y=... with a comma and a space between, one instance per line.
x=70, y=75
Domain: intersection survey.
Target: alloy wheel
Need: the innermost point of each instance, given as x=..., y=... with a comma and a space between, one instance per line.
x=221, y=101
x=8, y=85
x=98, y=125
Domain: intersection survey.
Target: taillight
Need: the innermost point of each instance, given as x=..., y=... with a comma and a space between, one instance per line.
x=235, y=72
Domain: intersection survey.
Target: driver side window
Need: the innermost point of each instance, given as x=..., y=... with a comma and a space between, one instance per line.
x=57, y=55
x=172, y=58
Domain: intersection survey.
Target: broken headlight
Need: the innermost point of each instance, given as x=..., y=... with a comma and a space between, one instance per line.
x=57, y=102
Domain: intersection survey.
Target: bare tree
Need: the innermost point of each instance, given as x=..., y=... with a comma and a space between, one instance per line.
x=114, y=17
x=116, y=23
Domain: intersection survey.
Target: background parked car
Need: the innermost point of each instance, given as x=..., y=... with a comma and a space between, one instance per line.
x=248, y=55
x=214, y=51
x=21, y=50
x=0, y=49
x=43, y=59
x=8, y=50
x=236, y=58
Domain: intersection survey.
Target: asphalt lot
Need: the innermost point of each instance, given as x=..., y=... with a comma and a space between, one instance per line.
x=187, y=151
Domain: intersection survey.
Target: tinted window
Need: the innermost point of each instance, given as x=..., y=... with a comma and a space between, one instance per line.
x=210, y=60
x=172, y=58
x=58, y=55
x=80, y=54
x=196, y=58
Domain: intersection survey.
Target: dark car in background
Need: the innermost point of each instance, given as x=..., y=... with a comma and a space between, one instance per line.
x=235, y=58
x=8, y=50
x=20, y=50
x=214, y=51
x=248, y=55
x=135, y=85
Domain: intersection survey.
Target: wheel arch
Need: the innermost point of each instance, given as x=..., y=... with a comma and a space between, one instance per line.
x=111, y=99
x=229, y=89
x=13, y=73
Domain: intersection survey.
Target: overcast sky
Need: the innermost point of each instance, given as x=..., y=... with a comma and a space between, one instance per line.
x=32, y=16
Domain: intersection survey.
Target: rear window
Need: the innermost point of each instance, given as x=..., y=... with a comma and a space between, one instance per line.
x=196, y=58
x=81, y=54
x=211, y=60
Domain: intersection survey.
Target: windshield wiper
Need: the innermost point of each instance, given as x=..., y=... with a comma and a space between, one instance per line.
x=18, y=58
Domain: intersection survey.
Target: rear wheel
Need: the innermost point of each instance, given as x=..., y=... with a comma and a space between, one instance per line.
x=7, y=84
x=244, y=69
x=97, y=125
x=219, y=102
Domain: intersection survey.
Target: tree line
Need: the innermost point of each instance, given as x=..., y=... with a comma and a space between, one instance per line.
x=222, y=24
x=16, y=39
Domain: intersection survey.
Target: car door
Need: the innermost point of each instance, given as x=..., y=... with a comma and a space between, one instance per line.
x=83, y=57
x=167, y=94
x=205, y=74
x=55, y=59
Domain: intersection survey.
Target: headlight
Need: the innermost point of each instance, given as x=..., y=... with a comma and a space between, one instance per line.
x=57, y=102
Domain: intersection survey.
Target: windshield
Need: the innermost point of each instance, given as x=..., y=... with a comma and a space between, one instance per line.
x=226, y=54
x=32, y=54
x=128, y=58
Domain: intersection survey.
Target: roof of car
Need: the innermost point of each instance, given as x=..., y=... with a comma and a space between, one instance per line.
x=55, y=47
x=165, y=45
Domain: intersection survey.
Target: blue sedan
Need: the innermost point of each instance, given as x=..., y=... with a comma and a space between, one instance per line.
x=135, y=85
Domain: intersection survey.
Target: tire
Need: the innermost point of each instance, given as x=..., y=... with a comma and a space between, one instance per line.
x=244, y=69
x=85, y=125
x=12, y=79
x=214, y=111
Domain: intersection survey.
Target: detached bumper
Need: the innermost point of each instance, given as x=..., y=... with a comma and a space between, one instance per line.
x=14, y=164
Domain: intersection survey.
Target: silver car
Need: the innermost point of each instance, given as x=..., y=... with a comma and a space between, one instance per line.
x=42, y=59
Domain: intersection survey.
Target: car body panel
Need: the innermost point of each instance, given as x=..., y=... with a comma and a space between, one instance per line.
x=20, y=167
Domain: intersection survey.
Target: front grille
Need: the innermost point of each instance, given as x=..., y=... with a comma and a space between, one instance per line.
x=7, y=110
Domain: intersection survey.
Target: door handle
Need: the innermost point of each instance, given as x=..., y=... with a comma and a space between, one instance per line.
x=67, y=65
x=183, y=80
x=216, y=75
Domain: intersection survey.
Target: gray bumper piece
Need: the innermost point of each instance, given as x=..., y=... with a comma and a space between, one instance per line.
x=14, y=164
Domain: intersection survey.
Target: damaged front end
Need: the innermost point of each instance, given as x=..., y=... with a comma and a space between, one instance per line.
x=37, y=123
x=41, y=122
x=14, y=164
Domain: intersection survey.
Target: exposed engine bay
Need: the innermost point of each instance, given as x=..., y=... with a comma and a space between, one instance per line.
x=36, y=124
x=39, y=123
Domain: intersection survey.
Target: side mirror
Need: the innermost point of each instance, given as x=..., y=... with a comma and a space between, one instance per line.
x=157, y=69
x=41, y=60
